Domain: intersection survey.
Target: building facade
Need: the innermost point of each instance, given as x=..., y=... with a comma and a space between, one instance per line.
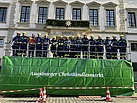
x=69, y=18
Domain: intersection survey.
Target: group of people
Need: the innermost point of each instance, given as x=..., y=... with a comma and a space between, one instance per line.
x=70, y=47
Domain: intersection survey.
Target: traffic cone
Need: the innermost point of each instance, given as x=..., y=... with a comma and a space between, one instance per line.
x=108, y=97
x=44, y=95
x=41, y=95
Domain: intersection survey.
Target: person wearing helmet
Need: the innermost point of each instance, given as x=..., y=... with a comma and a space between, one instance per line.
x=85, y=42
x=114, y=44
x=54, y=46
x=92, y=46
x=72, y=47
x=24, y=42
x=31, y=46
x=60, y=48
x=46, y=42
x=122, y=43
x=38, y=45
x=67, y=47
x=78, y=43
x=16, y=44
x=108, y=47
x=99, y=46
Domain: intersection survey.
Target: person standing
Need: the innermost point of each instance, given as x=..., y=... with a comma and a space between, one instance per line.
x=78, y=43
x=122, y=43
x=32, y=46
x=54, y=46
x=108, y=47
x=24, y=43
x=46, y=42
x=85, y=44
x=60, y=48
x=114, y=44
x=16, y=44
x=72, y=47
x=92, y=43
x=99, y=46
x=67, y=47
x=38, y=45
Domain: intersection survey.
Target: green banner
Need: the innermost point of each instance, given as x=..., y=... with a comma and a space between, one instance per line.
x=24, y=73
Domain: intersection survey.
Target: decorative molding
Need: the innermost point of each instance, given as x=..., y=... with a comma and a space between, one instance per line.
x=44, y=2
x=77, y=3
x=4, y=4
x=60, y=3
x=25, y=1
x=131, y=9
x=110, y=4
x=93, y=4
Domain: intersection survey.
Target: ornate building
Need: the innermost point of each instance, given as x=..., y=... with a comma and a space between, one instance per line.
x=69, y=17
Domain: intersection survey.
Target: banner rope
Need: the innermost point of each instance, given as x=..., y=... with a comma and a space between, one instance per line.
x=65, y=88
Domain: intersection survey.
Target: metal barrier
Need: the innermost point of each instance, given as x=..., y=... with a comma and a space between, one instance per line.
x=72, y=53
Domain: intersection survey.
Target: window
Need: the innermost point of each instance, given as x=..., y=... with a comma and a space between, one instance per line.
x=3, y=12
x=60, y=13
x=25, y=14
x=1, y=42
x=133, y=46
x=43, y=11
x=93, y=16
x=132, y=19
x=76, y=14
x=110, y=19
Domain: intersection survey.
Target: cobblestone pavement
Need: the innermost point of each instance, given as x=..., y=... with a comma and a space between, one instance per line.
x=66, y=100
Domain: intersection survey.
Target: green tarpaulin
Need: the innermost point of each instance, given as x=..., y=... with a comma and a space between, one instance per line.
x=24, y=73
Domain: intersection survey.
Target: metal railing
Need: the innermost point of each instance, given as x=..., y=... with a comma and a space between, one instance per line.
x=71, y=53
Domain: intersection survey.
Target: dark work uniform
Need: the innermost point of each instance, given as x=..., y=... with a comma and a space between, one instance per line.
x=114, y=44
x=23, y=46
x=67, y=48
x=78, y=43
x=122, y=43
x=46, y=42
x=16, y=45
x=38, y=46
x=108, y=48
x=92, y=43
x=54, y=47
x=99, y=46
x=60, y=47
x=85, y=46
x=72, y=48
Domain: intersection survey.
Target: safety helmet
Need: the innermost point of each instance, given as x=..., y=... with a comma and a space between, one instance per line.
x=114, y=36
x=54, y=37
x=46, y=34
x=72, y=36
x=107, y=36
x=61, y=36
x=39, y=34
x=121, y=35
x=99, y=36
x=78, y=35
x=18, y=32
x=67, y=36
x=92, y=36
x=24, y=33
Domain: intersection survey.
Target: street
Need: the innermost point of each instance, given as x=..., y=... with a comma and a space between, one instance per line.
x=66, y=100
